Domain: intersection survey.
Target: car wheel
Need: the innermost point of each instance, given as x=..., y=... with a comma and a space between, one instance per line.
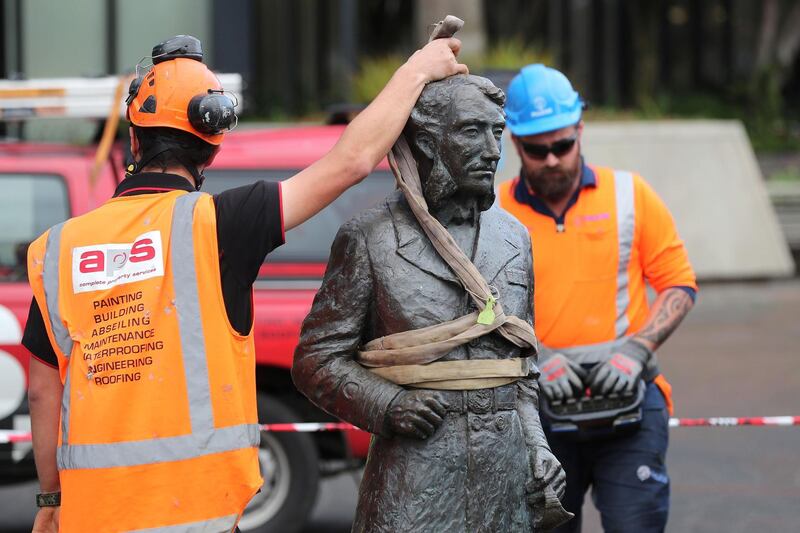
x=290, y=467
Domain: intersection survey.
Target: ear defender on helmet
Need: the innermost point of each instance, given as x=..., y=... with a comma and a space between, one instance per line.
x=212, y=113
x=133, y=89
x=179, y=91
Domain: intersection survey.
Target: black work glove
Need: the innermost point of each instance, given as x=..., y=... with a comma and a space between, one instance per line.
x=416, y=413
x=621, y=372
x=561, y=379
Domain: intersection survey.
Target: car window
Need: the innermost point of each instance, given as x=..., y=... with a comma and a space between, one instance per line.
x=29, y=205
x=311, y=241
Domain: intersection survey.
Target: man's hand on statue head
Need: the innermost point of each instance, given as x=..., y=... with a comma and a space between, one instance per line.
x=621, y=372
x=437, y=60
x=561, y=379
x=416, y=413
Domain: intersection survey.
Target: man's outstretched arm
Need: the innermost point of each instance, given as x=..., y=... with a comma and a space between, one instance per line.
x=370, y=136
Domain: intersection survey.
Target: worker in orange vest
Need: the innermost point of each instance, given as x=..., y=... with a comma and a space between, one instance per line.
x=142, y=381
x=599, y=235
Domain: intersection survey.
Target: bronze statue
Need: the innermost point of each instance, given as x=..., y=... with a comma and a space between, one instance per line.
x=462, y=452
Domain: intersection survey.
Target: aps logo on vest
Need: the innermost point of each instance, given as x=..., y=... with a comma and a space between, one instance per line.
x=102, y=266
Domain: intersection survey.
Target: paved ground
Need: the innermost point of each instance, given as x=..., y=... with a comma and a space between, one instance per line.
x=738, y=354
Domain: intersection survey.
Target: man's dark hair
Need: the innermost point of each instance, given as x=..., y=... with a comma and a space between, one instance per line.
x=176, y=147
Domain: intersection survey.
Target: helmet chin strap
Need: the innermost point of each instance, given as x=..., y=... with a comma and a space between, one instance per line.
x=197, y=175
x=146, y=158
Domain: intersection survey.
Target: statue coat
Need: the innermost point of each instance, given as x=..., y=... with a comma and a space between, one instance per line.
x=384, y=277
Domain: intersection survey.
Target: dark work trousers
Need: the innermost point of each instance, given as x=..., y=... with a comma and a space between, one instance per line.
x=628, y=476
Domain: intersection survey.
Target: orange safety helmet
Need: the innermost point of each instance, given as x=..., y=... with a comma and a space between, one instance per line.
x=180, y=92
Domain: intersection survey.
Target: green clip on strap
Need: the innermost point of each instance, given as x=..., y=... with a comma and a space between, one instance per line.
x=486, y=317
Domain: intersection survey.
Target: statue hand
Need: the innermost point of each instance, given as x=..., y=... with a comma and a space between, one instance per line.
x=416, y=413
x=548, y=472
x=546, y=489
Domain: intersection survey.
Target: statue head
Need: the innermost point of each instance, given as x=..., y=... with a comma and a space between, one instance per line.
x=454, y=133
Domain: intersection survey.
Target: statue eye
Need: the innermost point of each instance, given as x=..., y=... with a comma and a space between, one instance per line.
x=498, y=133
x=470, y=131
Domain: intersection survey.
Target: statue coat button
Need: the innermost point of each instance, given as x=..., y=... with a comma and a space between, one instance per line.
x=476, y=424
x=501, y=423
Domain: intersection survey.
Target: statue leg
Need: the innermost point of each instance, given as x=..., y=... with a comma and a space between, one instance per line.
x=415, y=485
x=498, y=469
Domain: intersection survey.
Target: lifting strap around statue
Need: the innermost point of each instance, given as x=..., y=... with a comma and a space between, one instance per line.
x=410, y=357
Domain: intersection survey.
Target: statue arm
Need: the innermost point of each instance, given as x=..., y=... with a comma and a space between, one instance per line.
x=548, y=480
x=325, y=369
x=528, y=409
x=529, y=387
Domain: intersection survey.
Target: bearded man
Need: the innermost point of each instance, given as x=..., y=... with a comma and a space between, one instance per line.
x=446, y=456
x=600, y=236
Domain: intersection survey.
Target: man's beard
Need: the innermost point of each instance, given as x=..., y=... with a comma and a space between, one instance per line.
x=553, y=184
x=440, y=186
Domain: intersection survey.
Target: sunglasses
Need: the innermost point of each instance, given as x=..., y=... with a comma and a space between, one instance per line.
x=558, y=148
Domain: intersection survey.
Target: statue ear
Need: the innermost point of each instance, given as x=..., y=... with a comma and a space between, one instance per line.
x=424, y=142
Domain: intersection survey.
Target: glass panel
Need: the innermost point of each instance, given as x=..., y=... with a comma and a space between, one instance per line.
x=30, y=204
x=311, y=241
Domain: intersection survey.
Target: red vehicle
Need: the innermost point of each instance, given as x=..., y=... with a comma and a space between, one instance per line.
x=44, y=184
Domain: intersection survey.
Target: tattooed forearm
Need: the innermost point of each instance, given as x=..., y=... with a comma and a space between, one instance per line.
x=667, y=312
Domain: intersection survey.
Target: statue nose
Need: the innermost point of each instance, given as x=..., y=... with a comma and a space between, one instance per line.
x=491, y=150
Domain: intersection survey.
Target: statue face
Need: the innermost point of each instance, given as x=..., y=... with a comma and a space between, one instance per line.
x=470, y=145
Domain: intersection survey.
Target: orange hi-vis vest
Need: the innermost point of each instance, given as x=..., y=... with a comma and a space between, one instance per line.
x=159, y=429
x=591, y=273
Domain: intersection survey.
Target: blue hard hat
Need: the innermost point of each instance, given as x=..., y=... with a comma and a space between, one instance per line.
x=541, y=99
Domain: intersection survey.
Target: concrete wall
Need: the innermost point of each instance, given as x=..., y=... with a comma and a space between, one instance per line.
x=707, y=174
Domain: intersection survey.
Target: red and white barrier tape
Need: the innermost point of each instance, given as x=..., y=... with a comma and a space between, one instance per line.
x=731, y=421
x=7, y=436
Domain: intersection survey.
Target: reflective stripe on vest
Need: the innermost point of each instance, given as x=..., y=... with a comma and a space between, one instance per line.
x=50, y=275
x=187, y=304
x=216, y=525
x=50, y=281
x=204, y=438
x=623, y=185
x=65, y=399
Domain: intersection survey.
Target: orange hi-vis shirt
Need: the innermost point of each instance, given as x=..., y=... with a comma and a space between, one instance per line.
x=159, y=429
x=591, y=267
